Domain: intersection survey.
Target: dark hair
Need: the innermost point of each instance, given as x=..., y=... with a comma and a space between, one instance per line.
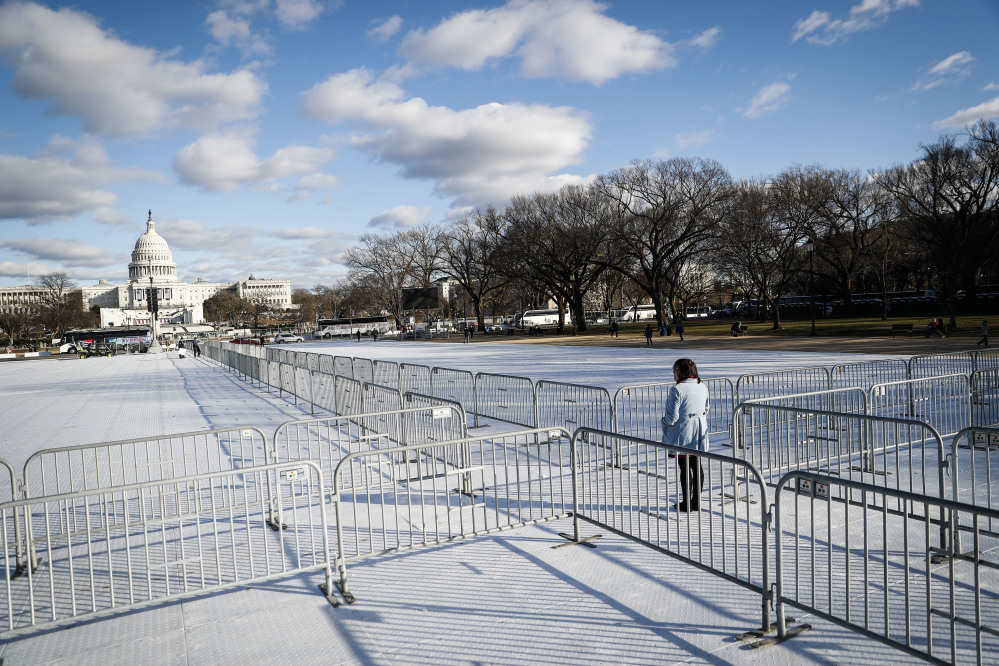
x=687, y=369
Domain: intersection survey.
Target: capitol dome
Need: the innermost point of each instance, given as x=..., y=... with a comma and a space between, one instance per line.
x=152, y=256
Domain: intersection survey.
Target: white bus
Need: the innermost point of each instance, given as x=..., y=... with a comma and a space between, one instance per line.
x=542, y=318
x=636, y=313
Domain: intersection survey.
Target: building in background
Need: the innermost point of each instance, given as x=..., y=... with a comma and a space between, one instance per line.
x=180, y=303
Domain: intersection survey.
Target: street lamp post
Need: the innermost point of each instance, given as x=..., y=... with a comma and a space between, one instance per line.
x=810, y=248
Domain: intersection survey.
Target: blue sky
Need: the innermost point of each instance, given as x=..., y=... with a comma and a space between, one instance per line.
x=268, y=135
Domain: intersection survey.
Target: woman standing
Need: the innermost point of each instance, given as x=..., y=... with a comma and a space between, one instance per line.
x=685, y=424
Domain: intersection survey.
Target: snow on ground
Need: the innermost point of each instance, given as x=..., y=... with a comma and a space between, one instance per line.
x=510, y=598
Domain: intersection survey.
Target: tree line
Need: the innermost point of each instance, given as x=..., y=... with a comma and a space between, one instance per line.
x=678, y=231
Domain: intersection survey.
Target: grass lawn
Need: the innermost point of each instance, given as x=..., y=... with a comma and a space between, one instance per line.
x=870, y=327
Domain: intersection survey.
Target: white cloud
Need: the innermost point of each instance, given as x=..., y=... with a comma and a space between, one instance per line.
x=562, y=39
x=117, y=89
x=228, y=240
x=821, y=28
x=952, y=68
x=769, y=99
x=226, y=161
x=970, y=116
x=706, y=39
x=307, y=233
x=480, y=155
x=383, y=30
x=399, y=217
x=64, y=180
x=694, y=139
x=231, y=29
x=990, y=86
x=14, y=270
x=296, y=14
x=67, y=252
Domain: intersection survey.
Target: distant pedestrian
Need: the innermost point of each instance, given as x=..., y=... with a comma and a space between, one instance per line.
x=180, y=345
x=374, y=335
x=613, y=328
x=679, y=328
x=985, y=334
x=648, y=335
x=197, y=349
x=466, y=334
x=358, y=335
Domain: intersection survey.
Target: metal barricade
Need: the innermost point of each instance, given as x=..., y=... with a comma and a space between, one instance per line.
x=573, y=406
x=286, y=381
x=938, y=365
x=108, y=549
x=987, y=359
x=324, y=391
x=343, y=366
x=427, y=431
x=386, y=373
x=861, y=556
x=728, y=534
x=415, y=378
x=506, y=398
x=974, y=468
x=454, y=385
x=423, y=495
x=325, y=441
x=782, y=382
x=638, y=410
x=944, y=401
x=985, y=397
x=851, y=400
x=349, y=395
x=303, y=387
x=892, y=452
x=866, y=374
x=71, y=469
x=363, y=371
x=312, y=358
x=326, y=364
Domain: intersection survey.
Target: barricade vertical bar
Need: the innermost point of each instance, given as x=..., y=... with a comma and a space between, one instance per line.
x=985, y=397
x=938, y=365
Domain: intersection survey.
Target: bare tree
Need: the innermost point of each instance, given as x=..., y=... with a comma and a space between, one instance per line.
x=16, y=319
x=666, y=220
x=383, y=266
x=950, y=200
x=470, y=252
x=60, y=304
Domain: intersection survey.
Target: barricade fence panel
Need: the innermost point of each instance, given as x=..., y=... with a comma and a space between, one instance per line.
x=866, y=374
x=987, y=359
x=273, y=374
x=455, y=385
x=109, y=464
x=363, y=370
x=349, y=395
x=430, y=494
x=326, y=441
x=638, y=410
x=631, y=486
x=104, y=550
x=286, y=373
x=343, y=366
x=379, y=400
x=506, y=398
x=782, y=382
x=985, y=397
x=303, y=387
x=426, y=426
x=943, y=402
x=845, y=556
x=891, y=452
x=312, y=358
x=326, y=364
x=843, y=400
x=324, y=391
x=937, y=365
x=572, y=406
x=386, y=373
x=414, y=378
x=974, y=468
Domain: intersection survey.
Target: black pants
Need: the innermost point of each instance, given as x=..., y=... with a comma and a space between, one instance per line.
x=691, y=480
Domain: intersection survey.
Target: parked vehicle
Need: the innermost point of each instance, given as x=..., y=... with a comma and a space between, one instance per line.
x=287, y=337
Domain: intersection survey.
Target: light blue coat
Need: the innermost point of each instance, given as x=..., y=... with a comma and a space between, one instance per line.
x=685, y=421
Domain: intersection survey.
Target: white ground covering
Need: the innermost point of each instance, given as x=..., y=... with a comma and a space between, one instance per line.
x=510, y=598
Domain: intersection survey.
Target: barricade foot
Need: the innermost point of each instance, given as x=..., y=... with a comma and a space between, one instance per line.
x=760, y=633
x=276, y=526
x=582, y=542
x=333, y=601
x=21, y=569
x=775, y=640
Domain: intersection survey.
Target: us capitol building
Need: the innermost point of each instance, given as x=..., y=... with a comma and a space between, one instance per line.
x=179, y=303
